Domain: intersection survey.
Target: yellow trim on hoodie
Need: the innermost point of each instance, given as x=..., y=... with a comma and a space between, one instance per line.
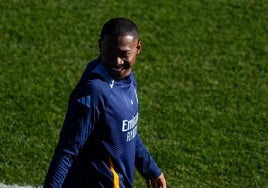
x=116, y=177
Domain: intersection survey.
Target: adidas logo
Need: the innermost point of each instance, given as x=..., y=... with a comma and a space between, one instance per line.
x=84, y=101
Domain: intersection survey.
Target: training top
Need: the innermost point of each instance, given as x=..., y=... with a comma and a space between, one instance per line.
x=99, y=145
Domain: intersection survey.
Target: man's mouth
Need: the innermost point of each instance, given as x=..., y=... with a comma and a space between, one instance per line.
x=117, y=69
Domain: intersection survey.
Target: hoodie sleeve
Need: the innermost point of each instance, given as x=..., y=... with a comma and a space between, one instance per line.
x=79, y=122
x=144, y=162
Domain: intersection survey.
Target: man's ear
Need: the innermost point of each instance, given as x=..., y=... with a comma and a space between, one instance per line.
x=139, y=46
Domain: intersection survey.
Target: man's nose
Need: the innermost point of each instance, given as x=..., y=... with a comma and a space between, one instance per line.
x=119, y=61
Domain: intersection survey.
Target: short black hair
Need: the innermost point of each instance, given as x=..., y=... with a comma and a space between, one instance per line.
x=119, y=27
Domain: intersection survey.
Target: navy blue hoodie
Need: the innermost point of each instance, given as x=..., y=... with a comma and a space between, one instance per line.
x=99, y=145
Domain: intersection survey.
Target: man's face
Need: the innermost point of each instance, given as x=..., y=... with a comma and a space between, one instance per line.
x=118, y=54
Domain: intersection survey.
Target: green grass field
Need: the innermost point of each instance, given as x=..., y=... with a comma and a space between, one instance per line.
x=202, y=78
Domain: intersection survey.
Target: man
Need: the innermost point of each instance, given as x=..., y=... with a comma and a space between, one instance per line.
x=99, y=145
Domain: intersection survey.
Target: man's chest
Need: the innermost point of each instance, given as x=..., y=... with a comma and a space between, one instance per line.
x=121, y=114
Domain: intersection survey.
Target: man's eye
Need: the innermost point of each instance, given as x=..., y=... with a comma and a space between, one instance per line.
x=125, y=54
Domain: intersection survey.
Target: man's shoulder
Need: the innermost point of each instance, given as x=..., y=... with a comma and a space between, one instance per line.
x=95, y=84
x=92, y=82
x=95, y=75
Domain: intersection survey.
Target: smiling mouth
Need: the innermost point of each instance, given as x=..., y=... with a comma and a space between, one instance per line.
x=117, y=69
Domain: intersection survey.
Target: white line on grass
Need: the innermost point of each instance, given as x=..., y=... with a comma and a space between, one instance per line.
x=16, y=186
